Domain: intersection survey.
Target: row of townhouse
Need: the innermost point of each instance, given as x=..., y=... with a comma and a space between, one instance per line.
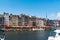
x=23, y=20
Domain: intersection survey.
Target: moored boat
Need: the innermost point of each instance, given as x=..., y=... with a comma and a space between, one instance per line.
x=37, y=29
x=55, y=36
x=2, y=37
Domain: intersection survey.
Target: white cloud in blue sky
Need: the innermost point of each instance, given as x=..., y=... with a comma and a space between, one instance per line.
x=58, y=15
x=54, y=16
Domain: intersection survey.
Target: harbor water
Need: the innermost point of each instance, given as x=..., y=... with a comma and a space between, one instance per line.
x=30, y=35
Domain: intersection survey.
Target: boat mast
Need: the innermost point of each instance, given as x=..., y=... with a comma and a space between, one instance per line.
x=46, y=20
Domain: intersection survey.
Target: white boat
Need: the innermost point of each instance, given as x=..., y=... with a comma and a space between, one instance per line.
x=2, y=38
x=37, y=29
x=56, y=36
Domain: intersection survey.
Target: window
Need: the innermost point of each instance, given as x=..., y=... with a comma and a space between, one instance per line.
x=34, y=24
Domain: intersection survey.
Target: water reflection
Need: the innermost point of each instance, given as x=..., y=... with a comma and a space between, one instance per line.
x=31, y=35
x=43, y=35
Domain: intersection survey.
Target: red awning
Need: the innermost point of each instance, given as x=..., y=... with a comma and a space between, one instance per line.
x=7, y=27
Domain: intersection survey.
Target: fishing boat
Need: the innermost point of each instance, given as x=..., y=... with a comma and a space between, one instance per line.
x=56, y=35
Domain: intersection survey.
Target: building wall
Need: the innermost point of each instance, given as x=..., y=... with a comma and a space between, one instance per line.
x=13, y=20
x=1, y=21
x=24, y=20
x=19, y=21
x=56, y=23
x=32, y=21
x=6, y=19
x=39, y=22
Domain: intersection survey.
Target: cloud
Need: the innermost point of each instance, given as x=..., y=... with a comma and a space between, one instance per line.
x=52, y=16
x=58, y=15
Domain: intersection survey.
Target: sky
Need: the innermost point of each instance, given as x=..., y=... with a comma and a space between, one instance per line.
x=38, y=8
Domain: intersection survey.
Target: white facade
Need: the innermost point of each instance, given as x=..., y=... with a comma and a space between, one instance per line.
x=39, y=22
x=6, y=19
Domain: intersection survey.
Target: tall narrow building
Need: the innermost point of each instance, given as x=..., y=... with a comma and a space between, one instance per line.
x=13, y=20
x=6, y=19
